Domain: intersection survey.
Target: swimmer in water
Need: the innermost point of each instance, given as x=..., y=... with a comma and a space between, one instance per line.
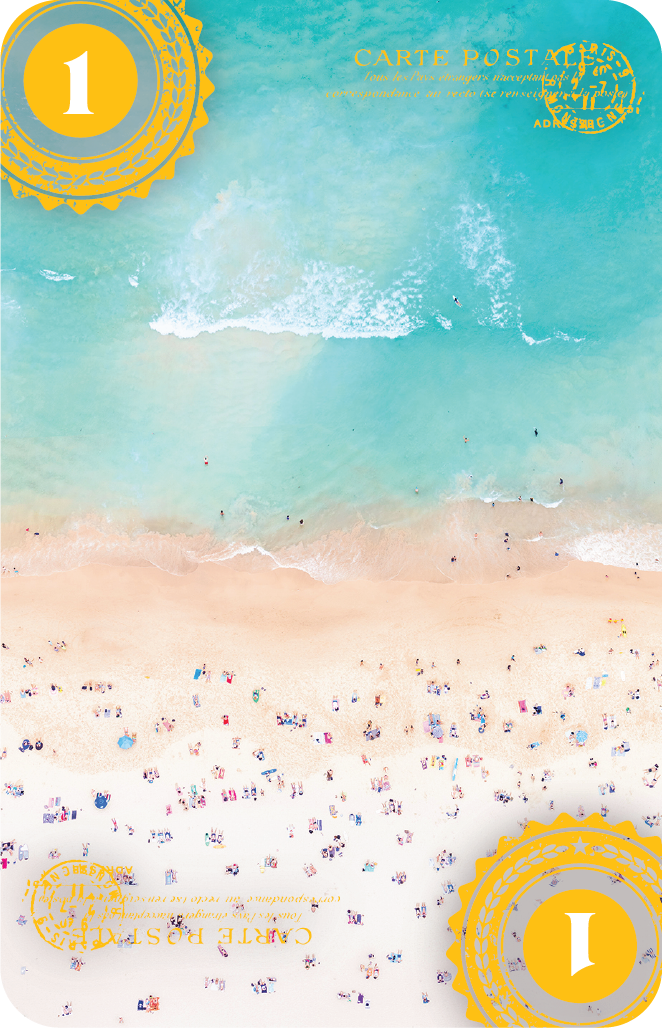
x=457, y=301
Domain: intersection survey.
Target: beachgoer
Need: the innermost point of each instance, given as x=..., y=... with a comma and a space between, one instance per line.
x=455, y=300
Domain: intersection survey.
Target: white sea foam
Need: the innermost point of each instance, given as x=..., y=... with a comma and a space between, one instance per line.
x=57, y=276
x=334, y=302
x=557, y=334
x=242, y=266
x=531, y=341
x=482, y=249
x=373, y=551
x=498, y=498
x=625, y=548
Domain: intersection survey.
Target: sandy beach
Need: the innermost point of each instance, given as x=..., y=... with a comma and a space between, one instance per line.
x=301, y=643
x=296, y=648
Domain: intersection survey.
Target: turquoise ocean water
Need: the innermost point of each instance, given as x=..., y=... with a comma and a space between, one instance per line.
x=283, y=307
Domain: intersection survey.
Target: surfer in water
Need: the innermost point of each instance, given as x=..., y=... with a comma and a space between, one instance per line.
x=457, y=301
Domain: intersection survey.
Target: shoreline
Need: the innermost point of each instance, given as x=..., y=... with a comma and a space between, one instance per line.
x=488, y=539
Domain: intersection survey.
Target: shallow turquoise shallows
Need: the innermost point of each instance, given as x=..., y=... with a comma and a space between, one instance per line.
x=273, y=332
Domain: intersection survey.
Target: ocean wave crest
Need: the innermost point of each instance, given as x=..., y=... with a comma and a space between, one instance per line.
x=624, y=548
x=243, y=266
x=334, y=302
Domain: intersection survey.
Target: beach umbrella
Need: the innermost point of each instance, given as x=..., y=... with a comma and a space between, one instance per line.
x=581, y=736
x=125, y=742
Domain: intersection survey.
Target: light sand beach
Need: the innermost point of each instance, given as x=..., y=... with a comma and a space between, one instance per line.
x=298, y=645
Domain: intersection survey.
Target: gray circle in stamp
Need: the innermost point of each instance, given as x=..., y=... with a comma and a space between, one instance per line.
x=89, y=147
x=598, y=879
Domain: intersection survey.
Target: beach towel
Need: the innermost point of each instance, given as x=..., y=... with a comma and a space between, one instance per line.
x=197, y=674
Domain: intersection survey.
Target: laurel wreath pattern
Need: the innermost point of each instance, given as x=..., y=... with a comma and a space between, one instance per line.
x=640, y=867
x=174, y=63
x=501, y=996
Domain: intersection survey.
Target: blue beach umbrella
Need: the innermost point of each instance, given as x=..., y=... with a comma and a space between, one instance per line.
x=581, y=736
x=125, y=742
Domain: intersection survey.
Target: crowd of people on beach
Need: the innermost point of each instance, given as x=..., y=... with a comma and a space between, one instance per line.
x=461, y=718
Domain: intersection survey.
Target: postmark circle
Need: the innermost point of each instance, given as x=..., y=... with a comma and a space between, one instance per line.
x=76, y=904
x=588, y=87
